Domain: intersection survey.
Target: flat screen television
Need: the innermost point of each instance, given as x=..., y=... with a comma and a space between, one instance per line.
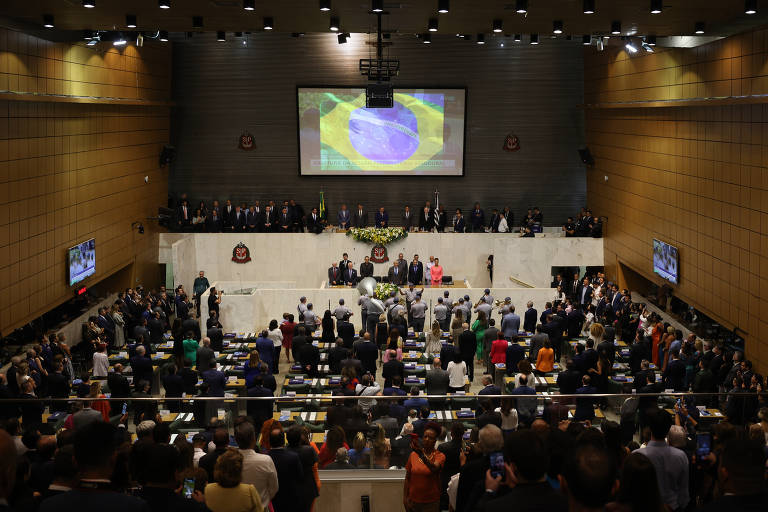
x=665, y=262
x=81, y=261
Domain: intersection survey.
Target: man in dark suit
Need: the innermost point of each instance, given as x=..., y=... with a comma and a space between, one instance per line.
x=392, y=368
x=408, y=221
x=447, y=354
x=118, y=383
x=252, y=220
x=489, y=388
x=346, y=331
x=590, y=355
x=216, y=380
x=315, y=224
x=584, y=292
x=515, y=353
x=467, y=348
x=638, y=351
x=58, y=385
x=190, y=324
x=573, y=287
x=308, y=356
x=568, y=381
x=585, y=408
x=335, y=357
x=31, y=409
x=270, y=219
x=559, y=281
x=344, y=217
x=459, y=224
x=155, y=325
x=141, y=366
x=216, y=335
x=239, y=220
x=334, y=275
x=529, y=318
x=285, y=222
x=477, y=218
x=259, y=410
x=174, y=387
x=367, y=352
x=366, y=268
x=575, y=320
x=359, y=217
x=395, y=275
x=426, y=219
x=227, y=216
x=382, y=218
x=437, y=379
x=205, y=356
x=415, y=270
x=184, y=215
x=350, y=275
x=290, y=474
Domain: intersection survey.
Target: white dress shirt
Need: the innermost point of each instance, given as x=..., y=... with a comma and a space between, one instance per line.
x=259, y=471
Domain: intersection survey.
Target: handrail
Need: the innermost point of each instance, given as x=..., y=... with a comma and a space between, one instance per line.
x=521, y=283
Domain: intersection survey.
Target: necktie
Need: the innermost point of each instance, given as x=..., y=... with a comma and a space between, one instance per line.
x=395, y=270
x=360, y=213
x=185, y=213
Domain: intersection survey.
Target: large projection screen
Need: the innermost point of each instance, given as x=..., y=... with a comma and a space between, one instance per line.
x=422, y=135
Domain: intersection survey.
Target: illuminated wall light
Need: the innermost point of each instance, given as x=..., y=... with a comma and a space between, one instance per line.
x=699, y=27
x=426, y=38
x=377, y=5
x=163, y=36
x=325, y=5
x=164, y=4
x=48, y=20
x=589, y=6
x=631, y=48
x=616, y=28
x=221, y=35
x=498, y=26
x=480, y=38
x=130, y=20
x=586, y=39
x=750, y=7
x=89, y=4
x=518, y=38
x=334, y=25
x=432, y=26
x=534, y=38
x=651, y=40
x=557, y=27
x=119, y=40
x=269, y=23
x=521, y=6
x=249, y=5
x=656, y=6
x=443, y=6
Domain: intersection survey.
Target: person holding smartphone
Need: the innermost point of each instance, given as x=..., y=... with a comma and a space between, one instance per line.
x=421, y=490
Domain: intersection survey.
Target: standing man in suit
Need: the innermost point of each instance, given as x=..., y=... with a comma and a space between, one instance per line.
x=315, y=224
x=239, y=220
x=573, y=286
x=403, y=264
x=334, y=274
x=344, y=217
x=437, y=379
x=395, y=275
x=426, y=220
x=416, y=271
x=368, y=353
x=366, y=268
x=360, y=217
x=392, y=368
x=350, y=275
x=529, y=322
x=214, y=222
x=286, y=221
x=467, y=349
x=477, y=219
x=205, y=356
x=459, y=224
x=510, y=322
x=269, y=219
x=252, y=219
x=344, y=262
x=584, y=292
x=228, y=215
x=382, y=218
x=290, y=475
x=408, y=222
x=184, y=215
x=215, y=379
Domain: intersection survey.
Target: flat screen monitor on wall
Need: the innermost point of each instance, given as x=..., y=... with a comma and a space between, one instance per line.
x=81, y=261
x=665, y=262
x=421, y=135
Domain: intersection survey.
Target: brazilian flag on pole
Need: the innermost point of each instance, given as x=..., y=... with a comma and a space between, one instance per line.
x=322, y=205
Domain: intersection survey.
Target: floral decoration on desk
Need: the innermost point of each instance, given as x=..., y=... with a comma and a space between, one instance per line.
x=384, y=290
x=381, y=236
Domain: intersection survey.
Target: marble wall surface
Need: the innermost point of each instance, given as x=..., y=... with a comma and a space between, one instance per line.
x=304, y=259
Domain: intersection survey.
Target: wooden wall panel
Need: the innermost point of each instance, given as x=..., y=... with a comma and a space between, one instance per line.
x=694, y=177
x=222, y=89
x=71, y=171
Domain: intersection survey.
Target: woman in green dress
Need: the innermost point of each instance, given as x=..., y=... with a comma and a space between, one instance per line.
x=478, y=327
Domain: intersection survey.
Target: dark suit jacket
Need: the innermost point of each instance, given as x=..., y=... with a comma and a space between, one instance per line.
x=467, y=345
x=349, y=276
x=415, y=273
x=259, y=410
x=155, y=330
x=447, y=353
x=335, y=357
x=253, y=219
x=239, y=221
x=358, y=221
x=426, y=222
x=118, y=385
x=217, y=339
x=173, y=385
x=216, y=381
x=334, y=275
x=490, y=390
x=366, y=269
x=346, y=332
x=396, y=279
x=314, y=225
x=459, y=225
x=58, y=385
x=309, y=355
x=587, y=296
x=529, y=320
x=569, y=381
x=89, y=500
x=205, y=358
x=637, y=352
x=290, y=475
x=390, y=369
x=437, y=381
x=142, y=369
x=382, y=219
x=367, y=353
x=408, y=223
x=515, y=354
x=190, y=324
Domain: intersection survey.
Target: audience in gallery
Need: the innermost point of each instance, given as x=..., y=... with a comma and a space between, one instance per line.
x=290, y=217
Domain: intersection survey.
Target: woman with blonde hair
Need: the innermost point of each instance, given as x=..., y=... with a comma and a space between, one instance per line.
x=457, y=325
x=228, y=494
x=99, y=405
x=596, y=333
x=433, y=343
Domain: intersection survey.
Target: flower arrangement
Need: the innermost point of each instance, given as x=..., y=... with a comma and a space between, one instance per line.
x=384, y=290
x=381, y=236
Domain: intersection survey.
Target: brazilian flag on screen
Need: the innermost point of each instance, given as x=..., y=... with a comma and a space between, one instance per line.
x=403, y=138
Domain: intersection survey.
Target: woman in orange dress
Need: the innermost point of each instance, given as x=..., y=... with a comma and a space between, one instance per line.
x=658, y=330
x=421, y=491
x=99, y=405
x=436, y=273
x=545, y=360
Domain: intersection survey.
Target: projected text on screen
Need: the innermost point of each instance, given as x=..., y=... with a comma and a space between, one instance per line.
x=422, y=134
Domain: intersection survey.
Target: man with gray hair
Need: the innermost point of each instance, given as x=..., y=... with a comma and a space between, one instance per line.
x=490, y=439
x=485, y=307
x=342, y=312
x=341, y=461
x=205, y=355
x=510, y=322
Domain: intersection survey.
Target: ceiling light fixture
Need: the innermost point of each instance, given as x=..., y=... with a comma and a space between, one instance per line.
x=651, y=40
x=130, y=20
x=221, y=35
x=249, y=5
x=432, y=25
x=377, y=5
x=521, y=6
x=750, y=7
x=586, y=39
x=48, y=20
x=589, y=6
x=557, y=26
x=699, y=27
x=164, y=4
x=656, y=6
x=616, y=28
x=498, y=26
x=89, y=4
x=534, y=38
x=163, y=36
x=631, y=48
x=269, y=23
x=119, y=40
x=426, y=38
x=325, y=5
x=480, y=38
x=334, y=24
x=443, y=6
x=518, y=38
